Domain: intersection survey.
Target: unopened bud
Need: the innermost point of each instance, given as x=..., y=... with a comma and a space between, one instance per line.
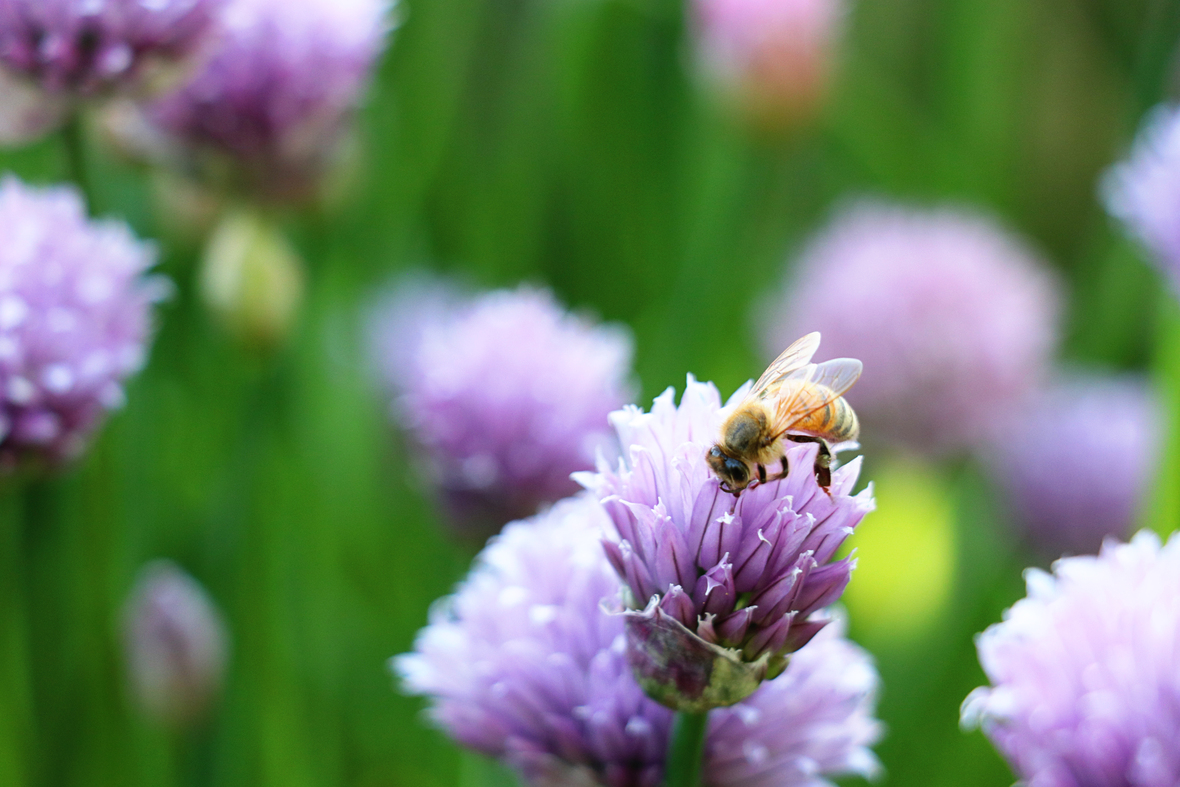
x=175, y=644
x=773, y=59
x=252, y=278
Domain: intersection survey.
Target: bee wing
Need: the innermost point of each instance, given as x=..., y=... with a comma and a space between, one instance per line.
x=794, y=359
x=812, y=388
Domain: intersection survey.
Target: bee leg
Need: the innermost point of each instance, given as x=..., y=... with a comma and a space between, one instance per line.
x=762, y=473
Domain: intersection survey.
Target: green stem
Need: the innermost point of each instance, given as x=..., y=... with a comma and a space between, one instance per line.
x=1156, y=53
x=685, y=749
x=74, y=143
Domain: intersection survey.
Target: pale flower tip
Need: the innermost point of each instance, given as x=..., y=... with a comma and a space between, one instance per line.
x=175, y=643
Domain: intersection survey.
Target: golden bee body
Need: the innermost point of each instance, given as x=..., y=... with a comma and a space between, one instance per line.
x=794, y=400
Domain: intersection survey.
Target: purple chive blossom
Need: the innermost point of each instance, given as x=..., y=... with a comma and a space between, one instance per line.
x=275, y=99
x=774, y=57
x=523, y=664
x=87, y=47
x=1144, y=191
x=505, y=394
x=175, y=643
x=955, y=316
x=1076, y=462
x=1084, y=679
x=728, y=586
x=75, y=319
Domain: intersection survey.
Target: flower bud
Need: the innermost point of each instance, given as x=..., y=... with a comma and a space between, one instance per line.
x=773, y=59
x=252, y=279
x=175, y=644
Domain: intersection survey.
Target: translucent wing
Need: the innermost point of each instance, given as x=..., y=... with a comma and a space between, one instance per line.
x=812, y=388
x=792, y=360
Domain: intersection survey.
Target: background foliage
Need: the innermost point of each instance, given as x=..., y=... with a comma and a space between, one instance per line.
x=563, y=142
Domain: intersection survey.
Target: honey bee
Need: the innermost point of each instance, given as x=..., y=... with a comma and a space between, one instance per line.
x=794, y=400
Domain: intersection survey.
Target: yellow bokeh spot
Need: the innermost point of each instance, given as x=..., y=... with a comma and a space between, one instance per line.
x=905, y=553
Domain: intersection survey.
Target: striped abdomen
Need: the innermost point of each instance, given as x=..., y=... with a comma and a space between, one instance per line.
x=826, y=415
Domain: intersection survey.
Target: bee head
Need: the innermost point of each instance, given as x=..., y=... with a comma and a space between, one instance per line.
x=734, y=472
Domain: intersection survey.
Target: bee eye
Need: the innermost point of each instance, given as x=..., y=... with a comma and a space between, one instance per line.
x=715, y=451
x=736, y=470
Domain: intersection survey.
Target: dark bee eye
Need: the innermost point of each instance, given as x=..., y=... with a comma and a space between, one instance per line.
x=737, y=470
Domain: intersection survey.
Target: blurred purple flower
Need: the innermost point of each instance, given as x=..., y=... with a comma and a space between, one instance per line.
x=1077, y=461
x=1084, y=689
x=1144, y=191
x=505, y=393
x=75, y=318
x=269, y=108
x=175, y=644
x=86, y=47
x=774, y=57
x=523, y=664
x=730, y=585
x=955, y=317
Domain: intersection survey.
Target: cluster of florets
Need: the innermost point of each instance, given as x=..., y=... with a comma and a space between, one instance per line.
x=75, y=319
x=1083, y=670
x=955, y=317
x=87, y=48
x=268, y=109
x=522, y=663
x=722, y=588
x=505, y=394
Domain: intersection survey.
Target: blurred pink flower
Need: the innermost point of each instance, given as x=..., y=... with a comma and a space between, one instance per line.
x=1075, y=463
x=954, y=318
x=274, y=100
x=1144, y=190
x=75, y=319
x=85, y=48
x=505, y=394
x=774, y=58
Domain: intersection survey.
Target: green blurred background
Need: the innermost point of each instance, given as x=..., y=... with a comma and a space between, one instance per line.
x=560, y=142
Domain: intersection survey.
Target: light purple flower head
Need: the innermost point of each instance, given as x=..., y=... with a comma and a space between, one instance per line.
x=268, y=109
x=728, y=586
x=955, y=317
x=1084, y=674
x=505, y=393
x=1144, y=191
x=774, y=57
x=175, y=644
x=75, y=319
x=523, y=664
x=1076, y=462
x=88, y=47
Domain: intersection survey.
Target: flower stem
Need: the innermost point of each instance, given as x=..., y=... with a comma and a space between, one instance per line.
x=74, y=143
x=685, y=749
